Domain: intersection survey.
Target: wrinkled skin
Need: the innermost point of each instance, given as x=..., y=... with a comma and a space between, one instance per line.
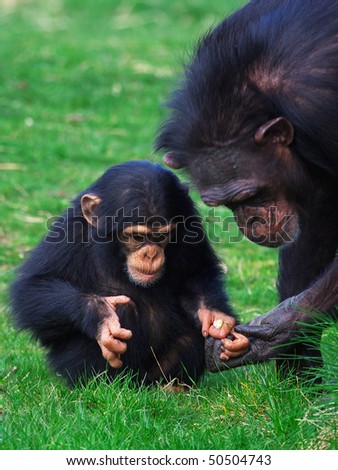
x=270, y=336
x=280, y=333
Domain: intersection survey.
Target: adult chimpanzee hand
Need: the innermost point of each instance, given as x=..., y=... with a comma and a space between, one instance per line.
x=270, y=335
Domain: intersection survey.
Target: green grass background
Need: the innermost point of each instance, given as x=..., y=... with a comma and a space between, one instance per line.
x=82, y=84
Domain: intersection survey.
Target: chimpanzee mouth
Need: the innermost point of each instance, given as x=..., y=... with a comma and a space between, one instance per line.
x=270, y=225
x=143, y=278
x=148, y=275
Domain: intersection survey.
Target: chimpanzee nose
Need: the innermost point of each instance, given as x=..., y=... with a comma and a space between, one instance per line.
x=151, y=252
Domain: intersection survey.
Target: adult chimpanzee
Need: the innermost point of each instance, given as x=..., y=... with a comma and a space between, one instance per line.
x=130, y=251
x=255, y=124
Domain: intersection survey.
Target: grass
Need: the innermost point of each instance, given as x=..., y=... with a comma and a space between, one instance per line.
x=81, y=88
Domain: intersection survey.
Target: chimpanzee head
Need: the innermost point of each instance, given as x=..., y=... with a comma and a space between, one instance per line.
x=227, y=132
x=141, y=207
x=254, y=176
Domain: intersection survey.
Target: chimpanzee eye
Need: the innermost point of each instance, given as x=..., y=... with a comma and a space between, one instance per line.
x=138, y=238
x=159, y=237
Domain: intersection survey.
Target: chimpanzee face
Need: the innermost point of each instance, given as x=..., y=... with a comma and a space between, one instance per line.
x=143, y=246
x=253, y=178
x=144, y=249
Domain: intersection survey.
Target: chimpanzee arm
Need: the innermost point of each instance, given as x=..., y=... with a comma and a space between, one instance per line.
x=51, y=308
x=271, y=334
x=206, y=301
x=204, y=283
x=209, y=308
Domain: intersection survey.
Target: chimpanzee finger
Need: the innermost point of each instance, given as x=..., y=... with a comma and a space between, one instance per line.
x=218, y=333
x=114, y=345
x=221, y=326
x=108, y=340
x=264, y=332
x=206, y=320
x=240, y=343
x=119, y=347
x=113, y=358
x=117, y=300
x=116, y=362
x=226, y=355
x=122, y=333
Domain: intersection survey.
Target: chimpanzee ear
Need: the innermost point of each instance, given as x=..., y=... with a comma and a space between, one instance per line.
x=89, y=203
x=173, y=161
x=277, y=131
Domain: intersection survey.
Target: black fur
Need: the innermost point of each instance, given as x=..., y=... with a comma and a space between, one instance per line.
x=55, y=293
x=269, y=59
